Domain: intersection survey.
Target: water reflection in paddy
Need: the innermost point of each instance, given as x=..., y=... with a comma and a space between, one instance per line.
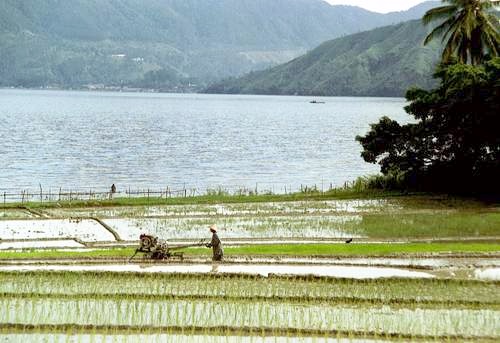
x=252, y=269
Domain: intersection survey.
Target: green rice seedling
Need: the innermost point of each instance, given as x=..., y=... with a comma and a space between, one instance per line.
x=414, y=307
x=226, y=286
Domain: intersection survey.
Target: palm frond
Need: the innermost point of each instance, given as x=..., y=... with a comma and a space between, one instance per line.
x=438, y=13
x=455, y=45
x=469, y=23
x=490, y=44
x=492, y=19
x=470, y=29
x=438, y=31
x=455, y=26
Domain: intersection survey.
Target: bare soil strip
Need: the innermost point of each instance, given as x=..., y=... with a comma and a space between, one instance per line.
x=36, y=213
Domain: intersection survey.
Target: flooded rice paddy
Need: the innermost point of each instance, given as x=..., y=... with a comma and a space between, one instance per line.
x=129, y=229
x=301, y=219
x=270, y=314
x=87, y=302
x=236, y=209
x=85, y=230
x=251, y=269
x=406, y=292
x=423, y=262
x=349, y=271
x=240, y=227
x=488, y=274
x=262, y=299
x=37, y=244
x=173, y=338
x=239, y=224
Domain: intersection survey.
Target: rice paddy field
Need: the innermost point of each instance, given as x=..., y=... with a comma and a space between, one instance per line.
x=417, y=269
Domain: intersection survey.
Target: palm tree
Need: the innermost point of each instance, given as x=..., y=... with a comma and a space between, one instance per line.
x=471, y=28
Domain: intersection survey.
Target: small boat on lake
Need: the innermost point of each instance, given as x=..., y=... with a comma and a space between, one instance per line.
x=316, y=102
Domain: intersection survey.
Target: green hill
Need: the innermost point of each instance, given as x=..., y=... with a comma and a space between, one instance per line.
x=380, y=62
x=166, y=44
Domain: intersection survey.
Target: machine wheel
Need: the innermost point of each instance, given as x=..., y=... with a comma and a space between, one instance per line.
x=146, y=242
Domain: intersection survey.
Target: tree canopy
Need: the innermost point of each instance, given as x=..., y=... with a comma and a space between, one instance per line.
x=454, y=143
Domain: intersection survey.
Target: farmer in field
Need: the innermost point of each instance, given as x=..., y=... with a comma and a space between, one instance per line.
x=216, y=245
x=112, y=191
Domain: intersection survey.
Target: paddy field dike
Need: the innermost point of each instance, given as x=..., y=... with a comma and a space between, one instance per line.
x=416, y=268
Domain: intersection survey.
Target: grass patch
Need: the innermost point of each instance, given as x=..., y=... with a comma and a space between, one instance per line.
x=359, y=249
x=211, y=199
x=439, y=224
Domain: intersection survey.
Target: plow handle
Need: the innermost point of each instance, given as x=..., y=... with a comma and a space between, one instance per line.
x=199, y=244
x=135, y=253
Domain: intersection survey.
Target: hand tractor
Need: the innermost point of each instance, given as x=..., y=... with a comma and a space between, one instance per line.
x=157, y=249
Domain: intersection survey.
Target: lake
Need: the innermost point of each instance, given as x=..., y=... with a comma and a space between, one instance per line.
x=76, y=140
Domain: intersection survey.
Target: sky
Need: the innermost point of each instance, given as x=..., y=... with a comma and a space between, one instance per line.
x=382, y=6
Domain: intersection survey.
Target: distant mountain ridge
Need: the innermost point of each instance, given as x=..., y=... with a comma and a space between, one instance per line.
x=165, y=42
x=381, y=62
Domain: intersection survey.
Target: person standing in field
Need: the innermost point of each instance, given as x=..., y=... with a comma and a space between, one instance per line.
x=216, y=245
x=112, y=191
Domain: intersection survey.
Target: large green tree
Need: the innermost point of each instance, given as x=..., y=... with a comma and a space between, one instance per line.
x=454, y=143
x=469, y=27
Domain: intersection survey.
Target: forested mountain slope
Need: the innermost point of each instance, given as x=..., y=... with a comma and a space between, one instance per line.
x=381, y=62
x=164, y=43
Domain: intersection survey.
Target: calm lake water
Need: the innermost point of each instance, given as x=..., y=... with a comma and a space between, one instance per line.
x=138, y=140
